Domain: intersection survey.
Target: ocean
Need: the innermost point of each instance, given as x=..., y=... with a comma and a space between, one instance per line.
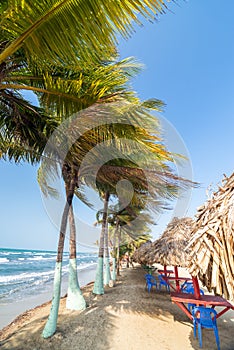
x=26, y=273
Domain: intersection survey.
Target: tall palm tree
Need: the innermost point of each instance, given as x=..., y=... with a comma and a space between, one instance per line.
x=105, y=240
x=25, y=128
x=75, y=299
x=34, y=147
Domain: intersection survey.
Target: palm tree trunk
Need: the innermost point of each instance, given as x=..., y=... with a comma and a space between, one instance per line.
x=98, y=287
x=75, y=299
x=114, y=250
x=51, y=323
x=118, y=257
x=107, y=274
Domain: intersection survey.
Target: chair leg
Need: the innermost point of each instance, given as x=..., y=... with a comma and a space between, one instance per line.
x=217, y=337
x=199, y=334
x=194, y=329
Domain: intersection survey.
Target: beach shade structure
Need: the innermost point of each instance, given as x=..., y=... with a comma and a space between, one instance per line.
x=140, y=253
x=169, y=249
x=211, y=248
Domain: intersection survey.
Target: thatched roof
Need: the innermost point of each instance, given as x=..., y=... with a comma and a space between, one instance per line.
x=169, y=249
x=139, y=254
x=212, y=245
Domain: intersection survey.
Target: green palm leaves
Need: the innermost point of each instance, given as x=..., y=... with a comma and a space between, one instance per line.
x=70, y=30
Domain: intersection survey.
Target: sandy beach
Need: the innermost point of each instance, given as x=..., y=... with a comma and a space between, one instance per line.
x=125, y=317
x=10, y=311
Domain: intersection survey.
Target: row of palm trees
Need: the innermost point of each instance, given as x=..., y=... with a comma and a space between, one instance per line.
x=64, y=52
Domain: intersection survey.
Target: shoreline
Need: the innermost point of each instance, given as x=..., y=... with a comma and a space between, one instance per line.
x=10, y=311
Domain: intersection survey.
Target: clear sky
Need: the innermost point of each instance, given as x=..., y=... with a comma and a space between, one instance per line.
x=189, y=64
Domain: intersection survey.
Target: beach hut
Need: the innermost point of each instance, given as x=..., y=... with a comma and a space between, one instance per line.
x=211, y=248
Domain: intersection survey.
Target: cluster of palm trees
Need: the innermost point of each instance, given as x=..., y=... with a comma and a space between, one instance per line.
x=88, y=124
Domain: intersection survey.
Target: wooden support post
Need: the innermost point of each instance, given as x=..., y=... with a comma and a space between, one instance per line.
x=184, y=308
x=196, y=288
x=177, y=281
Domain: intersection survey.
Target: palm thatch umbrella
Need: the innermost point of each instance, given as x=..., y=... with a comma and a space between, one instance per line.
x=169, y=249
x=211, y=248
x=139, y=254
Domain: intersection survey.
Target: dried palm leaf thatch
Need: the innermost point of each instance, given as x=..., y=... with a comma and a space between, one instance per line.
x=139, y=254
x=169, y=249
x=211, y=248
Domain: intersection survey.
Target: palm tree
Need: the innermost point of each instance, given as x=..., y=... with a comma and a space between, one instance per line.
x=129, y=231
x=134, y=233
x=112, y=172
x=32, y=37
x=28, y=31
x=75, y=299
x=19, y=143
x=104, y=238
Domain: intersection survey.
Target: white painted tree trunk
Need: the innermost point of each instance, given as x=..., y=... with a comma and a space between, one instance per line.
x=75, y=299
x=98, y=287
x=51, y=323
x=113, y=269
x=107, y=274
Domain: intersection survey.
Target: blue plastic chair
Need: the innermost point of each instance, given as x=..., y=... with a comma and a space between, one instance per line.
x=150, y=282
x=190, y=290
x=185, y=285
x=162, y=282
x=205, y=317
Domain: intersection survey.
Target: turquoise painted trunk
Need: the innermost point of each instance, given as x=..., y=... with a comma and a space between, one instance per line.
x=75, y=299
x=107, y=274
x=98, y=287
x=51, y=323
x=113, y=269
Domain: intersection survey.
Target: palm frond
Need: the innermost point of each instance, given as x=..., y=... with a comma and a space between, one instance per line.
x=69, y=29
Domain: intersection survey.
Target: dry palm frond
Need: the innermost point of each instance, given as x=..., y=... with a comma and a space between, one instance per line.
x=211, y=255
x=169, y=248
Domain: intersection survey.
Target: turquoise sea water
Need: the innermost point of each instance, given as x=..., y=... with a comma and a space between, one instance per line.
x=24, y=273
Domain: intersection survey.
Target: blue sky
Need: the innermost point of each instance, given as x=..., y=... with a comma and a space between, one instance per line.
x=189, y=64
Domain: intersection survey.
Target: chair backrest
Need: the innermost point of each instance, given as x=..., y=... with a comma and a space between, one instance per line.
x=190, y=290
x=205, y=315
x=150, y=278
x=161, y=279
x=186, y=284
